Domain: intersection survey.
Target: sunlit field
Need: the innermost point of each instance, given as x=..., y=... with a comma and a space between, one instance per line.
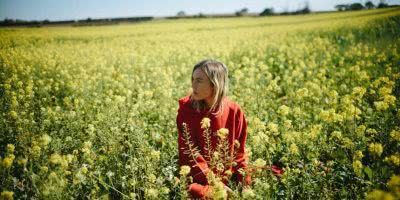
x=90, y=112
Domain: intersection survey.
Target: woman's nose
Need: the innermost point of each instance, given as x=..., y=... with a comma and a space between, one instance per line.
x=194, y=85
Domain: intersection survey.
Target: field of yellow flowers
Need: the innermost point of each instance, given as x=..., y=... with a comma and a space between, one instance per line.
x=89, y=112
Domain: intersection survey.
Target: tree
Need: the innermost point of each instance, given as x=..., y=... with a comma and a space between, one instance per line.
x=369, y=5
x=267, y=11
x=201, y=15
x=382, y=4
x=181, y=13
x=8, y=21
x=305, y=10
x=242, y=12
x=342, y=7
x=356, y=6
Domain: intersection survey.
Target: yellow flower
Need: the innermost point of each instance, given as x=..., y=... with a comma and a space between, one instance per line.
x=357, y=166
x=283, y=110
x=328, y=115
x=185, y=170
x=152, y=193
x=297, y=111
x=52, y=176
x=55, y=158
x=288, y=124
x=7, y=195
x=248, y=193
x=333, y=94
x=8, y=161
x=257, y=123
x=260, y=163
x=352, y=111
x=389, y=99
x=13, y=115
x=220, y=167
x=22, y=161
x=90, y=130
x=385, y=90
x=273, y=127
x=359, y=92
x=358, y=155
x=379, y=195
x=228, y=173
x=70, y=158
x=222, y=133
x=293, y=149
x=381, y=105
x=394, y=159
x=301, y=93
x=152, y=178
x=45, y=140
x=155, y=154
x=84, y=169
x=216, y=155
x=316, y=162
x=375, y=148
x=205, y=123
x=35, y=152
x=394, y=183
x=236, y=143
x=371, y=131
x=217, y=190
x=44, y=169
x=360, y=130
x=315, y=130
x=164, y=190
x=347, y=143
x=336, y=134
x=86, y=147
x=10, y=148
x=395, y=135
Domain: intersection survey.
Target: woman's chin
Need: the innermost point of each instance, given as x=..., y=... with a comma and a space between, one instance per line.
x=194, y=97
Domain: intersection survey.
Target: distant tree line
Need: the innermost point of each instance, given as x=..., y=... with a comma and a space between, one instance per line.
x=359, y=6
x=270, y=11
x=83, y=22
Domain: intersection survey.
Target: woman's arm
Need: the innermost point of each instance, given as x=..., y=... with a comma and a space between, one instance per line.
x=199, y=166
x=196, y=161
x=241, y=157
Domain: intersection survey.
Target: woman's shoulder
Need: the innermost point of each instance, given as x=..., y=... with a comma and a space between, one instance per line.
x=232, y=105
x=184, y=103
x=184, y=100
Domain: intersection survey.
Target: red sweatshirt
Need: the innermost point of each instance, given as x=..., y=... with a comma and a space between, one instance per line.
x=232, y=118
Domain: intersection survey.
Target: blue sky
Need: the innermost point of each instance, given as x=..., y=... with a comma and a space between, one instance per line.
x=81, y=9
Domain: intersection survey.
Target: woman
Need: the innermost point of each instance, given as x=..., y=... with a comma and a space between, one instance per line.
x=208, y=100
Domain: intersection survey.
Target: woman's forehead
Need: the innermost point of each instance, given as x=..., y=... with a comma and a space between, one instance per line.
x=198, y=73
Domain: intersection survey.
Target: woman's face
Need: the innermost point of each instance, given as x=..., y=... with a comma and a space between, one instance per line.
x=202, y=87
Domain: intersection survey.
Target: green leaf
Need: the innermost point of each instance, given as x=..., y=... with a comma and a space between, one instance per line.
x=368, y=171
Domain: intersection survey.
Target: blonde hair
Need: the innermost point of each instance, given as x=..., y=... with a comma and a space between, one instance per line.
x=217, y=74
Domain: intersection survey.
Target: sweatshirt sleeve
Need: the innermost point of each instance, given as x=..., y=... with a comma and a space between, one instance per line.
x=183, y=158
x=199, y=168
x=241, y=158
x=198, y=191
